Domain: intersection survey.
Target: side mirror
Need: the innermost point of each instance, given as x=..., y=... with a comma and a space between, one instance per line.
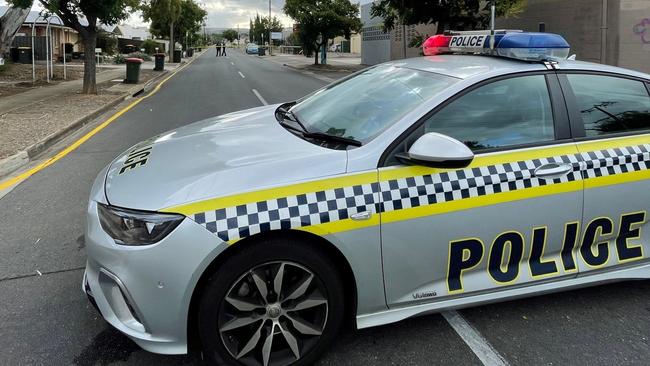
x=437, y=151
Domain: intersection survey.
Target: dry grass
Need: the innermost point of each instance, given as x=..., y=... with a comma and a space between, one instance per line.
x=23, y=72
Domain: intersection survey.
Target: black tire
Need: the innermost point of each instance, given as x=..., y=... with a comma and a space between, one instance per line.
x=265, y=254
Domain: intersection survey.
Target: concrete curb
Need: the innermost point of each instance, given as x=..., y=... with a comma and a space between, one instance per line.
x=14, y=162
x=315, y=69
x=312, y=74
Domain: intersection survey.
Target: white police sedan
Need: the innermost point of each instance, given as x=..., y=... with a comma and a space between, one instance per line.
x=407, y=188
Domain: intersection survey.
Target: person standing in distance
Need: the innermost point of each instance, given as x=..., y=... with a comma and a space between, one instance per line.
x=218, y=47
x=223, y=51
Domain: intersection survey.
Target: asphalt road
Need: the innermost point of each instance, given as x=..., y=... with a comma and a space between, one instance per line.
x=46, y=320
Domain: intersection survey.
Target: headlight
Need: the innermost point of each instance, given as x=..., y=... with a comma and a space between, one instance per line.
x=130, y=227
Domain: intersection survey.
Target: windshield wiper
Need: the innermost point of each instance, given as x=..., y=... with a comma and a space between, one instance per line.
x=327, y=137
x=287, y=115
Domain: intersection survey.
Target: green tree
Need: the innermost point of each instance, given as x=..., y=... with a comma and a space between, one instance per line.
x=190, y=21
x=449, y=14
x=107, y=42
x=293, y=39
x=260, y=27
x=106, y=12
x=323, y=20
x=230, y=34
x=174, y=19
x=150, y=46
x=162, y=14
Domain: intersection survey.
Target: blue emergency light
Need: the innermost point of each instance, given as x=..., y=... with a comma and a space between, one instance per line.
x=507, y=43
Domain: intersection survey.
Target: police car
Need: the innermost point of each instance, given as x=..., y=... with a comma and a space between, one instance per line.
x=494, y=168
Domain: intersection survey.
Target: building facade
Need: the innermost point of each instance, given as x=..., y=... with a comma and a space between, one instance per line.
x=62, y=36
x=378, y=46
x=615, y=32
x=375, y=43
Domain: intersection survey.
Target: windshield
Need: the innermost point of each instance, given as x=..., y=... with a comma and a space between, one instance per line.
x=364, y=105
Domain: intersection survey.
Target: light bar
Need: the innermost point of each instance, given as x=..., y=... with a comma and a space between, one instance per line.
x=507, y=43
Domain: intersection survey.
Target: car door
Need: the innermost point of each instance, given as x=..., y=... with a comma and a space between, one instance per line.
x=503, y=220
x=611, y=117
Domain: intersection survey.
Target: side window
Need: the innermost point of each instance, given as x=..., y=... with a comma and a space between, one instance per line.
x=503, y=113
x=610, y=104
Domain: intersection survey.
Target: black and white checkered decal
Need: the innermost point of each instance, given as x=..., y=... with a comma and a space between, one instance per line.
x=314, y=208
x=232, y=223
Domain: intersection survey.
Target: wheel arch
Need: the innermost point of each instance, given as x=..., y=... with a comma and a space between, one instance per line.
x=316, y=242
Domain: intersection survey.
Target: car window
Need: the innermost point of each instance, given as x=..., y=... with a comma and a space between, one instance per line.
x=504, y=113
x=610, y=104
x=362, y=106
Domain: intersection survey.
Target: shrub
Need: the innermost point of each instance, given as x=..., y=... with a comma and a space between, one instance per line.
x=150, y=46
x=6, y=67
x=141, y=55
x=106, y=42
x=119, y=59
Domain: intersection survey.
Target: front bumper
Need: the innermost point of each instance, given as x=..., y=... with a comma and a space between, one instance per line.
x=145, y=292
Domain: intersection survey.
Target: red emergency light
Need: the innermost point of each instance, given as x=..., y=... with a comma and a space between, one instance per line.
x=504, y=42
x=436, y=45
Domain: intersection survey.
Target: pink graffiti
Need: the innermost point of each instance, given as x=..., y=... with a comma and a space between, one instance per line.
x=642, y=30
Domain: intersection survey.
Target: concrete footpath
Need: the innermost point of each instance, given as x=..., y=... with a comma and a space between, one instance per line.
x=36, y=119
x=21, y=100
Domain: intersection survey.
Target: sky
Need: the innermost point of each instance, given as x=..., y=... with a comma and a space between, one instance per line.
x=229, y=13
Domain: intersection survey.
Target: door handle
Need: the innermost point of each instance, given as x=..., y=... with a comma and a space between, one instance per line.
x=365, y=215
x=552, y=170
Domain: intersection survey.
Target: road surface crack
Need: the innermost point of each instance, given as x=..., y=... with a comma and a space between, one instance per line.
x=38, y=273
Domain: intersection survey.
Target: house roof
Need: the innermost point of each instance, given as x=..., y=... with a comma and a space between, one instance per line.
x=35, y=17
x=130, y=32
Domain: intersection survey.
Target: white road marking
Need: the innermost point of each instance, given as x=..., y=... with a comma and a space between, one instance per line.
x=476, y=342
x=242, y=75
x=259, y=96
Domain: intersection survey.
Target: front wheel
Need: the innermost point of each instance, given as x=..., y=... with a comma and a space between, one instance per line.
x=274, y=303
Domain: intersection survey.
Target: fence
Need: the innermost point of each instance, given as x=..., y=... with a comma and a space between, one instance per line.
x=26, y=41
x=294, y=50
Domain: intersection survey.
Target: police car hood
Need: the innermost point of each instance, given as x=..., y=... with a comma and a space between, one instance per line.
x=234, y=153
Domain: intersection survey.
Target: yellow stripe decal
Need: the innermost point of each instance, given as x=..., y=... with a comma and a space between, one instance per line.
x=271, y=193
x=326, y=206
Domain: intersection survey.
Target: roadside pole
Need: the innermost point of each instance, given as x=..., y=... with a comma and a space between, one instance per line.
x=33, y=56
x=49, y=47
x=403, y=34
x=270, y=40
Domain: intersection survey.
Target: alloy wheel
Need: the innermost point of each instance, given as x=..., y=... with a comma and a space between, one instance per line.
x=273, y=314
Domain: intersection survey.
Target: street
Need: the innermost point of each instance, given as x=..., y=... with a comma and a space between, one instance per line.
x=45, y=319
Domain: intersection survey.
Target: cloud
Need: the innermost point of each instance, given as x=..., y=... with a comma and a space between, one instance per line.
x=230, y=13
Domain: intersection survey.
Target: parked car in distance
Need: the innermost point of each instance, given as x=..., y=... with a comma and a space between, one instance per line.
x=252, y=49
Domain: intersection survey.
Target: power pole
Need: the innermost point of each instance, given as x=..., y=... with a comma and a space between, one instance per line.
x=270, y=40
x=403, y=34
x=171, y=32
x=171, y=40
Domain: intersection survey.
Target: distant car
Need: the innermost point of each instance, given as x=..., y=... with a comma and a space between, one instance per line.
x=252, y=49
x=411, y=187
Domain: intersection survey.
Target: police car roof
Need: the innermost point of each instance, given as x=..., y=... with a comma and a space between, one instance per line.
x=468, y=66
